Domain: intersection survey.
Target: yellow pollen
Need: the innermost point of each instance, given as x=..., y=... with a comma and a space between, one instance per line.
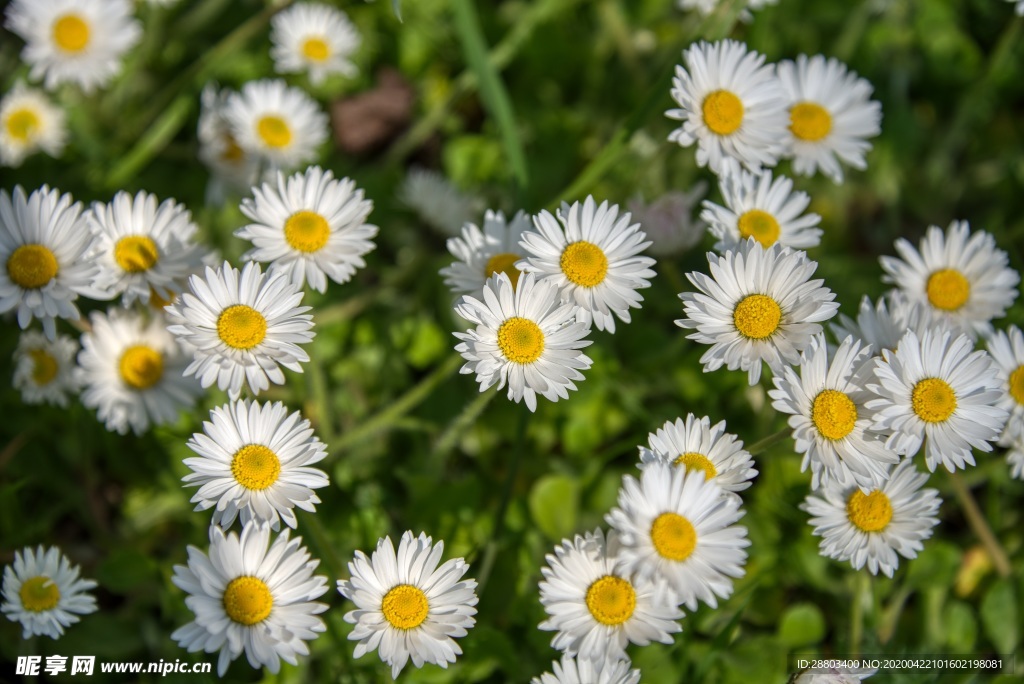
x=141, y=367
x=933, y=400
x=31, y=266
x=247, y=600
x=723, y=112
x=136, y=253
x=316, y=49
x=692, y=461
x=405, y=606
x=760, y=225
x=71, y=33
x=1017, y=385
x=757, y=316
x=584, y=263
x=611, y=600
x=869, y=512
x=809, y=121
x=306, y=231
x=241, y=327
x=520, y=340
x=504, y=263
x=44, y=366
x=38, y=594
x=274, y=131
x=255, y=467
x=22, y=124
x=834, y=414
x=673, y=536
x=948, y=289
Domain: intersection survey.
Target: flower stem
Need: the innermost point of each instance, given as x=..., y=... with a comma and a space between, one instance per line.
x=768, y=442
x=861, y=596
x=977, y=521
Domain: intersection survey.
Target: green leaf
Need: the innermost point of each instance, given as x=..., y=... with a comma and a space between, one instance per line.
x=554, y=504
x=801, y=625
x=961, y=627
x=999, y=616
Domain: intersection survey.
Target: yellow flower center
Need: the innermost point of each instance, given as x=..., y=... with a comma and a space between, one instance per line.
x=757, y=316
x=869, y=512
x=760, y=225
x=306, y=231
x=241, y=327
x=673, y=536
x=692, y=461
x=1017, y=385
x=255, y=467
x=834, y=414
x=948, y=289
x=584, y=263
x=136, y=253
x=44, y=366
x=611, y=600
x=405, y=606
x=274, y=131
x=504, y=263
x=38, y=594
x=809, y=121
x=247, y=600
x=723, y=112
x=933, y=400
x=31, y=266
x=316, y=49
x=141, y=366
x=71, y=33
x=520, y=340
x=22, y=124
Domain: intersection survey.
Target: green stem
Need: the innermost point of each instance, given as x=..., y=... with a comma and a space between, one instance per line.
x=769, y=441
x=977, y=521
x=861, y=596
x=456, y=428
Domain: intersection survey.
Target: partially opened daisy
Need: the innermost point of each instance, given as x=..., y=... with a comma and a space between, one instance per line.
x=593, y=257
x=572, y=670
x=45, y=593
x=250, y=598
x=408, y=608
x=79, y=41
x=233, y=168
x=877, y=527
x=668, y=220
x=694, y=444
x=1007, y=349
x=29, y=122
x=314, y=38
x=482, y=253
x=276, y=122
x=44, y=370
x=731, y=105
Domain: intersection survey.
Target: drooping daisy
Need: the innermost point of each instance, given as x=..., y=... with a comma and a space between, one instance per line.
x=482, y=253
x=276, y=122
x=871, y=529
x=937, y=391
x=79, y=41
x=766, y=209
x=832, y=675
x=961, y=277
x=314, y=38
x=731, y=105
x=668, y=221
x=44, y=592
x=595, y=607
x=310, y=227
x=248, y=598
x=29, y=122
x=233, y=168
x=759, y=304
x=582, y=671
x=241, y=327
x=1007, y=350
x=436, y=201
x=406, y=606
x=523, y=337
x=43, y=243
x=694, y=444
x=44, y=371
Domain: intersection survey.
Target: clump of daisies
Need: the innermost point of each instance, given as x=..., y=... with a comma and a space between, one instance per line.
x=45, y=593
x=29, y=123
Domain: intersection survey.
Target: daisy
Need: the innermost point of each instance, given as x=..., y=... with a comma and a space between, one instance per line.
x=407, y=606
x=937, y=391
x=254, y=462
x=44, y=370
x=831, y=114
x=249, y=598
x=601, y=671
x=241, y=327
x=706, y=7
x=594, y=261
x=881, y=325
x=758, y=305
x=962, y=278
x=438, y=203
x=1007, y=350
x=482, y=253
x=731, y=105
x=762, y=208
x=276, y=122
x=79, y=41
x=29, y=122
x=232, y=167
x=595, y=607
x=694, y=444
x=833, y=675
x=872, y=528
x=523, y=337
x=668, y=221
x=1015, y=457
x=43, y=243
x=315, y=38
x=43, y=591
x=310, y=227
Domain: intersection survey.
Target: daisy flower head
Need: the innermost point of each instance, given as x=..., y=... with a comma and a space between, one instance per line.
x=232, y=167
x=872, y=528
x=595, y=607
x=241, y=327
x=29, y=122
x=882, y=324
x=582, y=671
x=482, y=253
x=276, y=122
x=668, y=221
x=1015, y=457
x=79, y=41
x=593, y=255
x=523, y=337
x=694, y=444
x=759, y=304
x=937, y=391
x=43, y=243
x=44, y=370
x=962, y=278
x=1007, y=350
x=706, y=7
x=730, y=104
x=406, y=606
x=310, y=227
x=436, y=201
x=249, y=598
x=315, y=38
x=45, y=593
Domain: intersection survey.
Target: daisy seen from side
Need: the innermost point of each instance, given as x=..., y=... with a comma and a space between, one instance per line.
x=278, y=123
x=314, y=38
x=437, y=202
x=44, y=370
x=45, y=593
x=29, y=122
x=668, y=220
x=482, y=253
x=695, y=445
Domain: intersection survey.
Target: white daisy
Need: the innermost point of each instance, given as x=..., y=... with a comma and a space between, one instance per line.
x=310, y=227
x=523, y=337
x=594, y=261
x=482, y=253
x=1015, y=457
x=436, y=201
x=406, y=606
x=44, y=371
x=232, y=167
x=871, y=529
x=1019, y=7
x=241, y=327
x=668, y=221
x=731, y=105
x=315, y=38
x=43, y=243
x=759, y=304
x=961, y=277
x=249, y=598
x=1007, y=350
x=832, y=675
x=582, y=671
x=706, y=7
x=881, y=325
x=80, y=41
x=595, y=607
x=276, y=122
x=936, y=390
x=831, y=114
x=44, y=592
x=29, y=122
x=695, y=444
